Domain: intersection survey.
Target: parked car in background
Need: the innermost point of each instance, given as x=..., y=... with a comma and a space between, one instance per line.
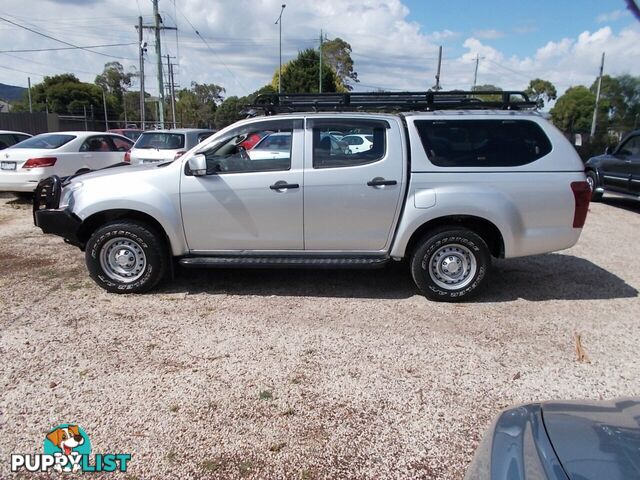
x=358, y=142
x=617, y=170
x=165, y=145
x=273, y=145
x=578, y=440
x=9, y=138
x=130, y=133
x=23, y=165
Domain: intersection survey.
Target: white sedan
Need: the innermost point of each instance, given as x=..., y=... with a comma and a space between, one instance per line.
x=358, y=143
x=23, y=165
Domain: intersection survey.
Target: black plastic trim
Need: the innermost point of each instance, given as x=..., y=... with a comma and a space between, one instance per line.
x=59, y=222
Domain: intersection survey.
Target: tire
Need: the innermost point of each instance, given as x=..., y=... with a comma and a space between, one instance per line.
x=592, y=180
x=439, y=253
x=126, y=257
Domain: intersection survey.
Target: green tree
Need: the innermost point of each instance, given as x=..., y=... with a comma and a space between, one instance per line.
x=196, y=107
x=540, y=91
x=114, y=80
x=573, y=111
x=337, y=54
x=230, y=111
x=487, y=87
x=301, y=75
x=65, y=94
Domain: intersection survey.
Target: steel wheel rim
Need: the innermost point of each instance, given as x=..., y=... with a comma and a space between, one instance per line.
x=591, y=182
x=123, y=259
x=452, y=266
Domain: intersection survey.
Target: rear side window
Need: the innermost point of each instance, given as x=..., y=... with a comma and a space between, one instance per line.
x=482, y=143
x=331, y=150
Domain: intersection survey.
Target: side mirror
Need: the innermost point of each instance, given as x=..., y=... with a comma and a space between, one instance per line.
x=198, y=165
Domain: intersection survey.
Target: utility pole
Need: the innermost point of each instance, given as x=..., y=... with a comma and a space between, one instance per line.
x=104, y=104
x=172, y=91
x=156, y=18
x=320, y=74
x=437, y=87
x=156, y=27
x=475, y=75
x=279, y=22
x=141, y=49
x=84, y=108
x=595, y=110
x=29, y=84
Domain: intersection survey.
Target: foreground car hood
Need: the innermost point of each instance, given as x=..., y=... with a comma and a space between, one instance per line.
x=594, y=441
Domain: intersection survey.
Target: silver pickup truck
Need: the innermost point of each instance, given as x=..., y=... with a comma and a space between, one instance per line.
x=446, y=187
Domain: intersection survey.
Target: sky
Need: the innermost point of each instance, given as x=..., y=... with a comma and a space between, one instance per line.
x=394, y=42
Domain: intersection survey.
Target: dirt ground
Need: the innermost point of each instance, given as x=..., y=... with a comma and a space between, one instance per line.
x=306, y=374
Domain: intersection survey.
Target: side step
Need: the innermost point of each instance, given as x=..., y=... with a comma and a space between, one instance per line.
x=251, y=261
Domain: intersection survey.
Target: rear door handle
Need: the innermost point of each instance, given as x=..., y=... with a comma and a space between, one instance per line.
x=282, y=185
x=379, y=182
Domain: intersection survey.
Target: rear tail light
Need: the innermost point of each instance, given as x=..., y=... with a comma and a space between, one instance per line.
x=40, y=162
x=179, y=154
x=127, y=156
x=582, y=196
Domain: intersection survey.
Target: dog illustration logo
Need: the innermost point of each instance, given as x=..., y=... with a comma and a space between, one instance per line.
x=69, y=440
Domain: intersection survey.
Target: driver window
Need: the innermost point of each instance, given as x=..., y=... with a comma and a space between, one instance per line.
x=631, y=147
x=257, y=147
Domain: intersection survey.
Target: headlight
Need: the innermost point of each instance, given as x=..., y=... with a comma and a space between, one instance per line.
x=66, y=198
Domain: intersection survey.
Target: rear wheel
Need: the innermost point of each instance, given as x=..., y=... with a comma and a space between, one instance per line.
x=451, y=264
x=126, y=257
x=592, y=180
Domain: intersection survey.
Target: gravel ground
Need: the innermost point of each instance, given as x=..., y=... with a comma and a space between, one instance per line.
x=306, y=374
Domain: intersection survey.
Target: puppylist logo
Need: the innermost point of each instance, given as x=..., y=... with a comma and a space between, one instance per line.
x=67, y=448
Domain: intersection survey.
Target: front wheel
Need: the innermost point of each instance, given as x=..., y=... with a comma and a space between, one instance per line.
x=126, y=257
x=592, y=180
x=451, y=264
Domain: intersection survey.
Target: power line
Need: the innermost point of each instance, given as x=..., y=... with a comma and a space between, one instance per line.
x=213, y=51
x=60, y=41
x=68, y=48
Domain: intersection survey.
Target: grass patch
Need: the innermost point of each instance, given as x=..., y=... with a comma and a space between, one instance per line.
x=276, y=447
x=211, y=465
x=245, y=467
x=266, y=395
x=172, y=456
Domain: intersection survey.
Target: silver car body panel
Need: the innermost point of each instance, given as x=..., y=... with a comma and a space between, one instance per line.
x=334, y=211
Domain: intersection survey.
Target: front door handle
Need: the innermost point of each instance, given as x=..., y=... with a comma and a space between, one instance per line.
x=282, y=185
x=380, y=182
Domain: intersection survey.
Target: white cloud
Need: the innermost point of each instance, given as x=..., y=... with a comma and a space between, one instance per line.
x=611, y=16
x=389, y=50
x=490, y=34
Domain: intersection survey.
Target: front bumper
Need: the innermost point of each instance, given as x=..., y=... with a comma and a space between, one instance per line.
x=59, y=222
x=48, y=215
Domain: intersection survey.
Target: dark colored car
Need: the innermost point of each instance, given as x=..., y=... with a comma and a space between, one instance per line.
x=131, y=133
x=617, y=170
x=580, y=440
x=8, y=139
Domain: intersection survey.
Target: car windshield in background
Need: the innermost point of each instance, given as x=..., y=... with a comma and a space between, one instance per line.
x=49, y=141
x=160, y=141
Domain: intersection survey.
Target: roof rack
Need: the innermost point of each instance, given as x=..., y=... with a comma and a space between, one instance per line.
x=272, y=103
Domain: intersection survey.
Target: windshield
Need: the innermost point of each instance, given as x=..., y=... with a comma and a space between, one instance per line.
x=45, y=141
x=160, y=140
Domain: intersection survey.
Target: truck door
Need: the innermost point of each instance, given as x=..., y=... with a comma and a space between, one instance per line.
x=246, y=204
x=617, y=169
x=351, y=200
